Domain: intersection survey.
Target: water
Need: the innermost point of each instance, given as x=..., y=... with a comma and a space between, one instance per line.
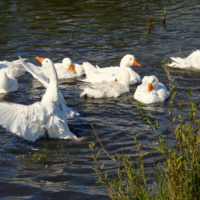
x=100, y=32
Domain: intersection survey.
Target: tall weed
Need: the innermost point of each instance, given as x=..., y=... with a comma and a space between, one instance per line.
x=176, y=175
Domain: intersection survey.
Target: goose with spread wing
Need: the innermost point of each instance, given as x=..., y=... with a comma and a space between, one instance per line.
x=42, y=74
x=32, y=121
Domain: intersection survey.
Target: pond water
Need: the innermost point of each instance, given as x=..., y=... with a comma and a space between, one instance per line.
x=101, y=32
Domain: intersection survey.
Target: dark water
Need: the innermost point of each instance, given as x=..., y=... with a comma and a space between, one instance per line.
x=101, y=32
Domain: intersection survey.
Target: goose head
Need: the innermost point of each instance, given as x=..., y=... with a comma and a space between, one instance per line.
x=151, y=81
x=123, y=77
x=128, y=61
x=67, y=62
x=49, y=66
x=46, y=62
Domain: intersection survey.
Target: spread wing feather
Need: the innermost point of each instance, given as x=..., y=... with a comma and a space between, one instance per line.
x=40, y=76
x=25, y=121
x=35, y=72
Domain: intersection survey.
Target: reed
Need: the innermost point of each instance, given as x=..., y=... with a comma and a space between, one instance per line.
x=70, y=33
x=164, y=15
x=176, y=175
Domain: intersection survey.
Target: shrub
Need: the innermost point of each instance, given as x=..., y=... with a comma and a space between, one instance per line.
x=177, y=174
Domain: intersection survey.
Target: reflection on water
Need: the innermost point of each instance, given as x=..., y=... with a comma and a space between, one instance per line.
x=100, y=32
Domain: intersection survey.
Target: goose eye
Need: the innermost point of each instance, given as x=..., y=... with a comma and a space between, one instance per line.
x=130, y=58
x=46, y=61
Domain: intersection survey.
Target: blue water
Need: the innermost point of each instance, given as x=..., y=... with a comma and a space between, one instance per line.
x=101, y=32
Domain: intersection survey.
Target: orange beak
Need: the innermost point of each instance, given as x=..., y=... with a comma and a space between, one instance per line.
x=40, y=59
x=116, y=80
x=150, y=87
x=136, y=63
x=71, y=68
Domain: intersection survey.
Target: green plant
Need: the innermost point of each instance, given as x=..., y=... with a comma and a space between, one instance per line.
x=164, y=16
x=177, y=175
x=71, y=33
x=33, y=157
x=149, y=22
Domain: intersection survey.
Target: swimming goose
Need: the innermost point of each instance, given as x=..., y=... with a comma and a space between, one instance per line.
x=31, y=121
x=192, y=61
x=96, y=74
x=68, y=69
x=151, y=91
x=7, y=84
x=12, y=69
x=109, y=88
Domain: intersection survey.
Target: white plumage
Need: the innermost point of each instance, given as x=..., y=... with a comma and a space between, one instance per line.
x=42, y=74
x=109, y=88
x=31, y=121
x=96, y=74
x=192, y=61
x=7, y=84
x=65, y=70
x=68, y=69
x=12, y=69
x=151, y=91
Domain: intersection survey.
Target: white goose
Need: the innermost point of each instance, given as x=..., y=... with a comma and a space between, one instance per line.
x=31, y=121
x=109, y=88
x=12, y=69
x=68, y=69
x=7, y=84
x=151, y=91
x=192, y=61
x=42, y=74
x=96, y=74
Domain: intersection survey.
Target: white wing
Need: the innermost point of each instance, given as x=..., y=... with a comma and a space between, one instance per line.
x=25, y=121
x=104, y=89
x=194, y=54
x=16, y=63
x=36, y=72
x=193, y=60
x=88, y=68
x=98, y=77
x=110, y=70
x=79, y=69
x=179, y=62
x=40, y=76
x=97, y=74
x=163, y=93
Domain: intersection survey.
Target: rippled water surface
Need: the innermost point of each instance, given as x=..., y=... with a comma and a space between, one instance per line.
x=101, y=32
